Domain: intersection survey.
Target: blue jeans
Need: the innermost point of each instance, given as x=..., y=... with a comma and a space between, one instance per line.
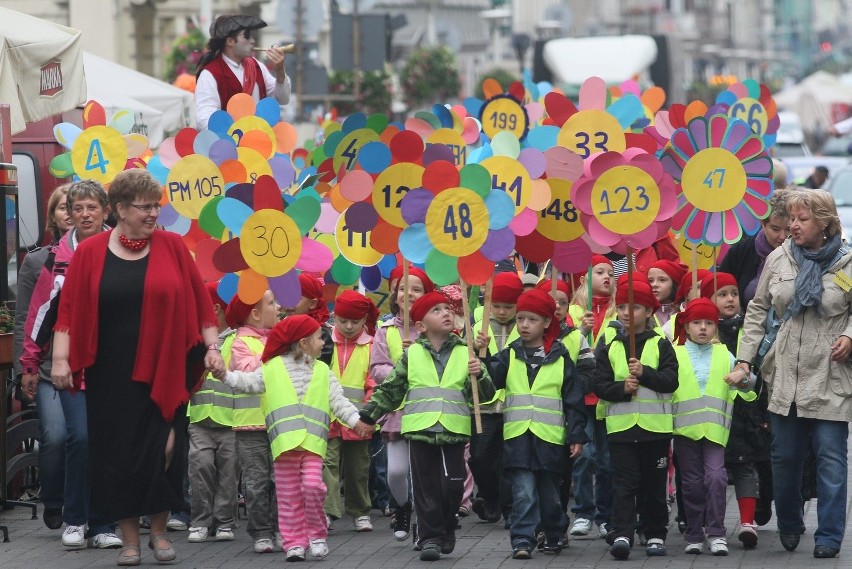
x=789, y=437
x=536, y=502
x=379, y=472
x=592, y=474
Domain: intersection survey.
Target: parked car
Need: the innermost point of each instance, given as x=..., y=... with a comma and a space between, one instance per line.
x=800, y=167
x=840, y=186
x=790, y=140
x=837, y=146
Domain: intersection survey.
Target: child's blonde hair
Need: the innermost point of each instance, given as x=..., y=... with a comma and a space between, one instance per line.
x=581, y=297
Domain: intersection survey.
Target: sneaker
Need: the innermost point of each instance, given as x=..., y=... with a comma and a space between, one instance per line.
x=430, y=552
x=74, y=536
x=319, y=548
x=52, y=518
x=603, y=530
x=387, y=511
x=415, y=538
x=363, y=523
x=197, y=535
x=329, y=522
x=144, y=522
x=656, y=547
x=105, y=541
x=224, y=534
x=694, y=548
x=264, y=545
x=522, y=551
x=581, y=526
x=478, y=507
x=719, y=546
x=176, y=524
x=748, y=535
x=402, y=522
x=620, y=548
x=553, y=546
x=296, y=553
x=463, y=512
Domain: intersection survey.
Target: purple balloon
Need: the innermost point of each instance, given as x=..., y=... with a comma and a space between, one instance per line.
x=286, y=289
x=414, y=205
x=499, y=244
x=222, y=150
x=361, y=217
x=371, y=278
x=436, y=152
x=534, y=161
x=168, y=215
x=282, y=171
x=243, y=193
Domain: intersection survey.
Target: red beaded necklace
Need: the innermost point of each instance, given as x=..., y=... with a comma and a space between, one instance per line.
x=133, y=244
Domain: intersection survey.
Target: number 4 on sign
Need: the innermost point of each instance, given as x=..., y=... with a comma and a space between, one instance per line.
x=95, y=150
x=720, y=173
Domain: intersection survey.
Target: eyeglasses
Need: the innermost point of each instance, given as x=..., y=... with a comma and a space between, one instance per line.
x=146, y=208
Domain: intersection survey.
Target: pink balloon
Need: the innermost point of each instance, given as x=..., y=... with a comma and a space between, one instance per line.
x=168, y=153
x=356, y=186
x=524, y=223
x=315, y=258
x=470, y=134
x=572, y=256
x=327, y=221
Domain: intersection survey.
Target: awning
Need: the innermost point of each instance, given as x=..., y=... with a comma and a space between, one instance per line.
x=41, y=68
x=612, y=58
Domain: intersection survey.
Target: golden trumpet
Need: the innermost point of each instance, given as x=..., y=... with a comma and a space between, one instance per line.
x=284, y=49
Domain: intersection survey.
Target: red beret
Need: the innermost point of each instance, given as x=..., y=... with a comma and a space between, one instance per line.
x=425, y=303
x=237, y=312
x=213, y=291
x=709, y=287
x=686, y=283
x=546, y=285
x=312, y=288
x=286, y=333
x=599, y=260
x=697, y=309
x=355, y=306
x=507, y=288
x=397, y=272
x=673, y=269
x=642, y=293
x=539, y=302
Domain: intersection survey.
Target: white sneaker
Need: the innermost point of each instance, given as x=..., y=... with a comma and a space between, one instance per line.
x=176, y=524
x=319, y=548
x=105, y=541
x=747, y=535
x=328, y=522
x=603, y=530
x=694, y=548
x=224, y=534
x=74, y=536
x=581, y=526
x=296, y=553
x=264, y=545
x=197, y=535
x=363, y=523
x=719, y=546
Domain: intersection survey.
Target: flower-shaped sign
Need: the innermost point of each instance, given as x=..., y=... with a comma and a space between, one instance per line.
x=725, y=179
x=101, y=149
x=751, y=102
x=626, y=200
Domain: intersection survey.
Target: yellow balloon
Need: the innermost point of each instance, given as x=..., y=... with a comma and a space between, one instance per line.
x=355, y=245
x=560, y=220
x=509, y=175
x=714, y=180
x=504, y=113
x=347, y=151
x=270, y=242
x=625, y=200
x=391, y=186
x=99, y=153
x=193, y=181
x=590, y=132
x=453, y=140
x=457, y=222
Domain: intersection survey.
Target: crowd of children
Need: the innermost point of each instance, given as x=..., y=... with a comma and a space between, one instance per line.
x=576, y=394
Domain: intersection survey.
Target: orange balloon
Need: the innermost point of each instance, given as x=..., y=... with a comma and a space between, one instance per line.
x=387, y=134
x=251, y=286
x=384, y=238
x=694, y=109
x=241, y=105
x=233, y=171
x=286, y=137
x=338, y=202
x=258, y=140
x=653, y=98
x=491, y=88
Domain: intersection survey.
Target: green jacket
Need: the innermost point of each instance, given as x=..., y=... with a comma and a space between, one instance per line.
x=391, y=393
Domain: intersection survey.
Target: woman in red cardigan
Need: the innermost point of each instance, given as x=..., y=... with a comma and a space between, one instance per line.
x=132, y=306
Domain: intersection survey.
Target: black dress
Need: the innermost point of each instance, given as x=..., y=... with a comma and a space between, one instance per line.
x=127, y=432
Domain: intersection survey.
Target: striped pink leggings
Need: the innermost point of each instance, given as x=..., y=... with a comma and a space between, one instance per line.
x=301, y=493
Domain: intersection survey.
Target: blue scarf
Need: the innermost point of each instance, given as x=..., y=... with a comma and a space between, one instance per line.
x=812, y=266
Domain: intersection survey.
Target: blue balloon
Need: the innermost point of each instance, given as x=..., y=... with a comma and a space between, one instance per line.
x=233, y=214
x=387, y=264
x=374, y=157
x=354, y=122
x=414, y=243
x=269, y=110
x=227, y=288
x=543, y=137
x=501, y=209
x=219, y=122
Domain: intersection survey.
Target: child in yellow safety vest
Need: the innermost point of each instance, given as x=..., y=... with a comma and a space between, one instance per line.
x=493, y=490
x=433, y=379
x=242, y=352
x=300, y=394
x=702, y=407
x=543, y=415
x=636, y=405
x=388, y=347
x=355, y=318
x=747, y=453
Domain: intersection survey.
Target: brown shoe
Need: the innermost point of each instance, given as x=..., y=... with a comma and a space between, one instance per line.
x=162, y=554
x=130, y=555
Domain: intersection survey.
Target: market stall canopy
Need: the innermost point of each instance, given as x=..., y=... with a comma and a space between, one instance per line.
x=159, y=109
x=41, y=68
x=612, y=58
x=812, y=99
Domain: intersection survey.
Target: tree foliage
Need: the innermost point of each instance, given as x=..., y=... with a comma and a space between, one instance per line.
x=431, y=75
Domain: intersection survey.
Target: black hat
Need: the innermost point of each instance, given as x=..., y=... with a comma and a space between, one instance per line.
x=228, y=25
x=822, y=170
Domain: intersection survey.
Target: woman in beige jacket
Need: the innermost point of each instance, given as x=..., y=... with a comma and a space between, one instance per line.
x=808, y=283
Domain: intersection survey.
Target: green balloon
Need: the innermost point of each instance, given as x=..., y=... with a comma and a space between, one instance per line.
x=441, y=268
x=208, y=219
x=429, y=118
x=343, y=272
x=61, y=167
x=330, y=144
x=318, y=156
x=377, y=122
x=305, y=211
x=477, y=178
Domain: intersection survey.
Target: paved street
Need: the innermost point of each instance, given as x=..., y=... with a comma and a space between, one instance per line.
x=480, y=546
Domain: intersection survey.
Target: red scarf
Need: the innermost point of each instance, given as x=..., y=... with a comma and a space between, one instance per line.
x=175, y=307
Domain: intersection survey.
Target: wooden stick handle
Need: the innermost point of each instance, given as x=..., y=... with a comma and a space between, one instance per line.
x=486, y=315
x=474, y=384
x=630, y=300
x=553, y=276
x=406, y=319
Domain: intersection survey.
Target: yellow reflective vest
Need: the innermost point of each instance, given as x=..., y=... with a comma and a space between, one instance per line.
x=215, y=400
x=290, y=423
x=431, y=400
x=697, y=416
x=247, y=406
x=354, y=377
x=536, y=407
x=647, y=408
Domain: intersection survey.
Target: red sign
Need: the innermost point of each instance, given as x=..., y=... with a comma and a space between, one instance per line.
x=51, y=79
